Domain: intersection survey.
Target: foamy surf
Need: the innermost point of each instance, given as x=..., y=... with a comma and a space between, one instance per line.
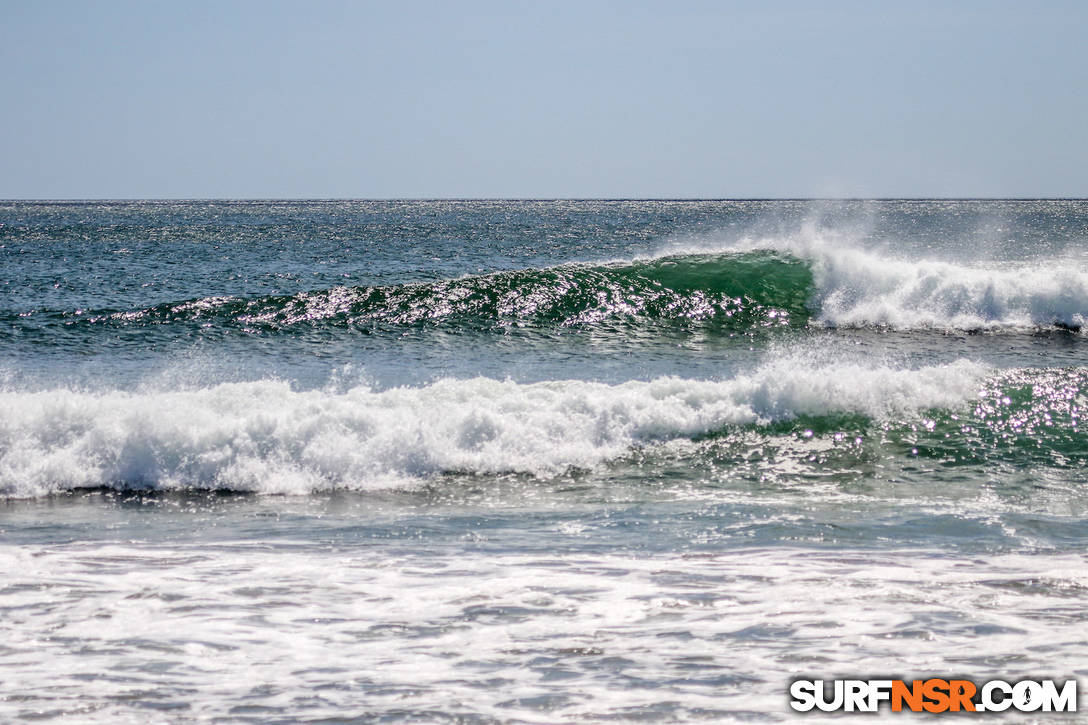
x=860, y=287
x=742, y=498
x=266, y=437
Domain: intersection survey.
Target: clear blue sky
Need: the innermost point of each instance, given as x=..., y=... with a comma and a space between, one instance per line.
x=150, y=99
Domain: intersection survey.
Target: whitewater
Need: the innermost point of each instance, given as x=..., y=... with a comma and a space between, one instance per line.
x=265, y=437
x=567, y=461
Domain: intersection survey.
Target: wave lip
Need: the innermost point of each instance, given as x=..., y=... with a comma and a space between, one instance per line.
x=856, y=287
x=265, y=437
x=857, y=290
x=785, y=281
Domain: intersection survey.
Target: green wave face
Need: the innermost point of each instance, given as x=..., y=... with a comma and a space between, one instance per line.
x=1028, y=416
x=1025, y=416
x=1023, y=437
x=735, y=292
x=1022, y=418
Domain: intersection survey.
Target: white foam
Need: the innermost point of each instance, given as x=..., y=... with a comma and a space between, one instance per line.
x=857, y=286
x=264, y=436
x=434, y=629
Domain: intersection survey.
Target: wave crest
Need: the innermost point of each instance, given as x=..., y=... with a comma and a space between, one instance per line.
x=737, y=291
x=855, y=287
x=264, y=436
x=784, y=281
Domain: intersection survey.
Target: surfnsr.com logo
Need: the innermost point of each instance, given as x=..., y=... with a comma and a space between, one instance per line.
x=933, y=695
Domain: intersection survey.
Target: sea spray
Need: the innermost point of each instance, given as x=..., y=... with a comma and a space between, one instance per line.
x=857, y=287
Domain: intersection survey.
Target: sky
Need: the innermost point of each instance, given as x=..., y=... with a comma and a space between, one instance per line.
x=468, y=99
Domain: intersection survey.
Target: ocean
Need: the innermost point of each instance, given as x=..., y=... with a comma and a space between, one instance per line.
x=534, y=461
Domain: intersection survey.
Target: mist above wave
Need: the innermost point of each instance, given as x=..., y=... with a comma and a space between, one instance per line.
x=860, y=286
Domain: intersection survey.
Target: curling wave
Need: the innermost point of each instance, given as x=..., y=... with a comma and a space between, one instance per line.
x=738, y=291
x=856, y=287
x=784, y=282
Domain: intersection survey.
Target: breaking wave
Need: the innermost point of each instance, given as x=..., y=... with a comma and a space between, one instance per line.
x=856, y=287
x=266, y=437
x=757, y=284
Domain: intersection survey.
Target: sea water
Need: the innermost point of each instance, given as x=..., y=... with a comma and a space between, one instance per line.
x=534, y=461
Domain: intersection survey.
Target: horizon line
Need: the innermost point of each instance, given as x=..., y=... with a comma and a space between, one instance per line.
x=73, y=200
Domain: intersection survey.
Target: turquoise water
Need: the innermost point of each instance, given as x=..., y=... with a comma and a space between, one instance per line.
x=540, y=461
